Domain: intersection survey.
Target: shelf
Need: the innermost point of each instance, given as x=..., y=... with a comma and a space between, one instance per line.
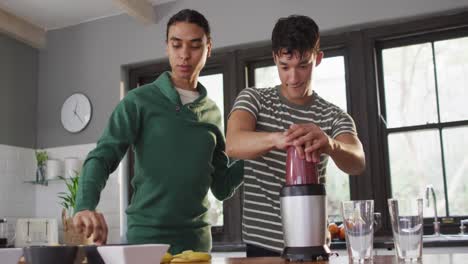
x=45, y=182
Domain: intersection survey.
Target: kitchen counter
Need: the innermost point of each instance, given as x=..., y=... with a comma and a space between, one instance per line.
x=428, y=241
x=427, y=259
x=434, y=258
x=444, y=240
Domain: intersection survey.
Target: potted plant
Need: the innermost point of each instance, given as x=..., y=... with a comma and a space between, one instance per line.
x=41, y=159
x=68, y=200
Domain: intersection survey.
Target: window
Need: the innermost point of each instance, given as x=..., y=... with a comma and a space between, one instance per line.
x=330, y=84
x=214, y=86
x=404, y=85
x=424, y=87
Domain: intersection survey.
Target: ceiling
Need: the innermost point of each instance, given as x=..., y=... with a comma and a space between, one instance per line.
x=54, y=14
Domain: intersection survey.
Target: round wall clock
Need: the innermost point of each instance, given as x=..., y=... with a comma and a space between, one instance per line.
x=76, y=113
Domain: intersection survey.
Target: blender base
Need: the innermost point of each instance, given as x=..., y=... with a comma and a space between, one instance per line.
x=306, y=253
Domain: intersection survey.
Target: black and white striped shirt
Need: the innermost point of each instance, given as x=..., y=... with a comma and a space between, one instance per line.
x=265, y=175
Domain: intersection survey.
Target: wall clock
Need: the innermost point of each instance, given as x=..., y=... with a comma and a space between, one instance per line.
x=76, y=112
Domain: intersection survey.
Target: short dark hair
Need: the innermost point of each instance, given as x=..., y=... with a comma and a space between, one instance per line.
x=295, y=33
x=190, y=16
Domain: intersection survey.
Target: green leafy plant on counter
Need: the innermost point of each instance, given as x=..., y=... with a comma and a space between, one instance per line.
x=68, y=198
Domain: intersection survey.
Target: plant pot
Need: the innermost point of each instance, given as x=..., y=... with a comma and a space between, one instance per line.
x=71, y=236
x=40, y=174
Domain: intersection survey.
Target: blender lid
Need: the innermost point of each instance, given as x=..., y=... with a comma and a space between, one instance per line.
x=3, y=220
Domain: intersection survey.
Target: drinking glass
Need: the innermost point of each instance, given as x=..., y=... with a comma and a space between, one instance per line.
x=407, y=224
x=358, y=220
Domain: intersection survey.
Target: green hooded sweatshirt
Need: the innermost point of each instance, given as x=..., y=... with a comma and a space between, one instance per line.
x=179, y=155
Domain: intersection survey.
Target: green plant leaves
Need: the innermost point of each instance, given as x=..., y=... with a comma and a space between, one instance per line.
x=41, y=157
x=68, y=199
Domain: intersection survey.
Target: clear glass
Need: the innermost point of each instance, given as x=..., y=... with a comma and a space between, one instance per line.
x=407, y=224
x=456, y=166
x=415, y=161
x=452, y=69
x=408, y=74
x=329, y=83
x=358, y=220
x=215, y=88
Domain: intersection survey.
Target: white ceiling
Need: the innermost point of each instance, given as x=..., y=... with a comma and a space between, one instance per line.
x=54, y=14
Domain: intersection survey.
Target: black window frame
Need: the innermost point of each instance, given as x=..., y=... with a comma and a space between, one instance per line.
x=359, y=45
x=432, y=28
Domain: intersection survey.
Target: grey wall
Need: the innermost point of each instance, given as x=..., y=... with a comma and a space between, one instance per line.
x=88, y=57
x=18, y=93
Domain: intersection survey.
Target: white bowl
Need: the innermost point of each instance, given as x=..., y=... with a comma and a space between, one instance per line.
x=10, y=255
x=133, y=254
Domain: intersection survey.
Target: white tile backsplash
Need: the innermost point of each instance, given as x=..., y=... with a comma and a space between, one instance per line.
x=109, y=202
x=17, y=199
x=20, y=199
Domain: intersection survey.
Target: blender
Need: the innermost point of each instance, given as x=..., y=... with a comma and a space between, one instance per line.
x=303, y=211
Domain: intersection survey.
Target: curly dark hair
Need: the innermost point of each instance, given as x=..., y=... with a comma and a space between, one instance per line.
x=190, y=16
x=295, y=33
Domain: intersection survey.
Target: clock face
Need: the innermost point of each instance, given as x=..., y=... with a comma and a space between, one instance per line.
x=76, y=113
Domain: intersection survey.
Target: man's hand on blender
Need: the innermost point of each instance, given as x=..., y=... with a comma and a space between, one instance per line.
x=91, y=223
x=310, y=141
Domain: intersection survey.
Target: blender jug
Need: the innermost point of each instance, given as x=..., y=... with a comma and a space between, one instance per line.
x=303, y=211
x=3, y=233
x=300, y=171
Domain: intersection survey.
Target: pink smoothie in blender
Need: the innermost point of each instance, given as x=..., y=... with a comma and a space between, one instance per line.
x=300, y=171
x=303, y=211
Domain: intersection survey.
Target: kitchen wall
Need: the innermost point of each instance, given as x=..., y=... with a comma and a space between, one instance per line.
x=47, y=203
x=17, y=198
x=18, y=97
x=18, y=93
x=88, y=57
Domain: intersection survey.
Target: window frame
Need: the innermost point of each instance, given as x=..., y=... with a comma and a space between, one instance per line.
x=332, y=48
x=422, y=30
x=359, y=45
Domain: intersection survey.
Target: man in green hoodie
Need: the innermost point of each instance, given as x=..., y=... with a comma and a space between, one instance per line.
x=179, y=148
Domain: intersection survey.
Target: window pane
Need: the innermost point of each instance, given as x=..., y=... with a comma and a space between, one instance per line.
x=329, y=83
x=409, y=85
x=452, y=78
x=337, y=183
x=266, y=77
x=456, y=162
x=214, y=85
x=415, y=161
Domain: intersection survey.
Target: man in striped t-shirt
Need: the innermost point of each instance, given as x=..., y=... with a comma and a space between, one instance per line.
x=264, y=122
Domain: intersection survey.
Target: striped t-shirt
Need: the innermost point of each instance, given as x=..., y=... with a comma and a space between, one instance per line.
x=265, y=175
